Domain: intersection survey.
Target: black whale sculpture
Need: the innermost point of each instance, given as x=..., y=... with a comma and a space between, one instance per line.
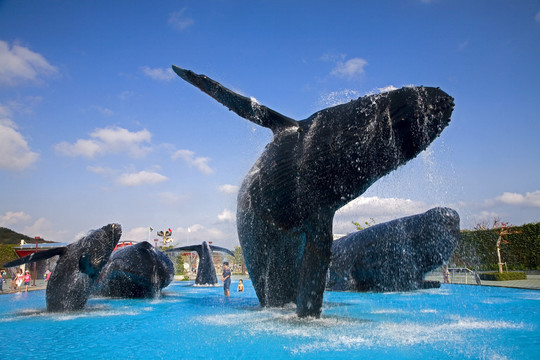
x=309, y=170
x=77, y=268
x=396, y=255
x=135, y=271
x=206, y=272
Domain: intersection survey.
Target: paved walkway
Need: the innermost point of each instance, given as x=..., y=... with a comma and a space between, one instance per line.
x=40, y=285
x=532, y=282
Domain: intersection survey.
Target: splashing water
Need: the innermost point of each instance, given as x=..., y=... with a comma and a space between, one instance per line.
x=453, y=322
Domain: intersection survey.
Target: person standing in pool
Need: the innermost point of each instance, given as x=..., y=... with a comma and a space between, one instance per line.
x=226, y=278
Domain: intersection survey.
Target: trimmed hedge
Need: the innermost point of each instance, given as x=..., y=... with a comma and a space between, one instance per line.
x=496, y=276
x=476, y=249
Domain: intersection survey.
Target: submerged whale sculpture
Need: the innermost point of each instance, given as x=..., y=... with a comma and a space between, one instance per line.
x=135, y=271
x=309, y=170
x=77, y=268
x=206, y=271
x=396, y=255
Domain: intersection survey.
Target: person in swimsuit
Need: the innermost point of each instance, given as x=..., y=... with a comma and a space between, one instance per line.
x=226, y=278
x=19, y=280
x=27, y=280
x=240, y=287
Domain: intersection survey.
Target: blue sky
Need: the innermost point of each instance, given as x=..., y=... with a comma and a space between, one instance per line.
x=95, y=128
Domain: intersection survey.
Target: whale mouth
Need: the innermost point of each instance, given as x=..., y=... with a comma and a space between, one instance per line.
x=418, y=116
x=114, y=232
x=103, y=243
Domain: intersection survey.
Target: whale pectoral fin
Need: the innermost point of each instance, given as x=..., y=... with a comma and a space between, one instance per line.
x=243, y=106
x=38, y=256
x=85, y=265
x=315, y=261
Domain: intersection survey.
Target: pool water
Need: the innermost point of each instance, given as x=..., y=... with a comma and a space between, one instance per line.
x=187, y=322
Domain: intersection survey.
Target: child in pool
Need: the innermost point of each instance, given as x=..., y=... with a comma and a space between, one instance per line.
x=240, y=287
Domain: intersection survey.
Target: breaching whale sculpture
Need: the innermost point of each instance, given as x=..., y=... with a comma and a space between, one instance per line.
x=206, y=272
x=396, y=255
x=77, y=268
x=135, y=271
x=310, y=169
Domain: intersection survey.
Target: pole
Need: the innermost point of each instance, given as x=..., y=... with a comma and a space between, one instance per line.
x=35, y=271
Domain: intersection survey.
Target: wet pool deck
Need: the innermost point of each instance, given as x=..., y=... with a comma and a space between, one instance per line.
x=532, y=282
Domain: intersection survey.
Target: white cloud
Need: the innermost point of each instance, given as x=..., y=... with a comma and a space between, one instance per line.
x=5, y=112
x=19, y=64
x=15, y=154
x=159, y=73
x=179, y=21
x=229, y=189
x=201, y=163
x=483, y=217
x=170, y=198
x=103, y=111
x=100, y=170
x=514, y=207
x=24, y=224
x=380, y=209
x=529, y=199
x=13, y=217
x=108, y=140
x=537, y=17
x=227, y=216
x=82, y=147
x=138, y=234
x=198, y=233
x=140, y=178
x=43, y=228
x=350, y=68
x=124, y=95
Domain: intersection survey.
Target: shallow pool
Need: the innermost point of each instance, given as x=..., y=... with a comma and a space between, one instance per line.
x=453, y=322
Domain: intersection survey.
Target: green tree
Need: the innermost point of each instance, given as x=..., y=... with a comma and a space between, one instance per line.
x=179, y=266
x=7, y=254
x=367, y=224
x=239, y=258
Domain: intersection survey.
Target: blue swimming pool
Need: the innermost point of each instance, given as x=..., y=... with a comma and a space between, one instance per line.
x=187, y=322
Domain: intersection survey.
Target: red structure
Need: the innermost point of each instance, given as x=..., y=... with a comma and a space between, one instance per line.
x=39, y=267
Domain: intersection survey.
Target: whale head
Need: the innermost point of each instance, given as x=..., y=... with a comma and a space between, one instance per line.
x=96, y=248
x=418, y=116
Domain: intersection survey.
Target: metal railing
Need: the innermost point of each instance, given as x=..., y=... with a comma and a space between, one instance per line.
x=461, y=276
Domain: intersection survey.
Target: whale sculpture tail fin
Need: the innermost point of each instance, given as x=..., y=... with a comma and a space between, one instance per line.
x=247, y=108
x=184, y=248
x=220, y=249
x=198, y=248
x=38, y=256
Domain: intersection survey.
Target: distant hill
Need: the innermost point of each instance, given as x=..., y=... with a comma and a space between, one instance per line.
x=8, y=236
